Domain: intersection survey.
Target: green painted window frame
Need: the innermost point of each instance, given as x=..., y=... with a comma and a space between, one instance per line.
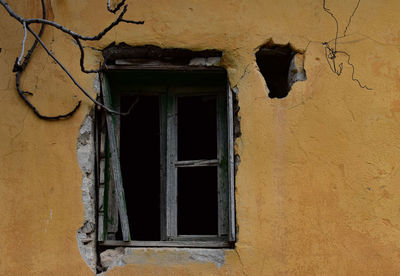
x=169, y=85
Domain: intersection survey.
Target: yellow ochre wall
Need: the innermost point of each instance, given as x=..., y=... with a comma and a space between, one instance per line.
x=318, y=186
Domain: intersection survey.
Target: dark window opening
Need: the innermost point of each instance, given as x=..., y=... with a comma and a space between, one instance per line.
x=197, y=127
x=140, y=165
x=197, y=201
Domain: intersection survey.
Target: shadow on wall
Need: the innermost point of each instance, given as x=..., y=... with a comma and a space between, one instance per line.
x=281, y=66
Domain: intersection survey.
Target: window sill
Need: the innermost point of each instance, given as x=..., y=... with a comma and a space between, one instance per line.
x=186, y=244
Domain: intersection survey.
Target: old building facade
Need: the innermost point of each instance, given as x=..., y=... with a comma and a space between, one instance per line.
x=313, y=187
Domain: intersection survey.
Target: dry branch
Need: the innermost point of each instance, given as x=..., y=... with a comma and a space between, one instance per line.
x=331, y=51
x=20, y=63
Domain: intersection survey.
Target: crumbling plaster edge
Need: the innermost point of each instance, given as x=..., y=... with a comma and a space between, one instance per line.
x=86, y=235
x=121, y=256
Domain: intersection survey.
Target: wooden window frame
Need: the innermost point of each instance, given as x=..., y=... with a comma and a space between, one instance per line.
x=110, y=184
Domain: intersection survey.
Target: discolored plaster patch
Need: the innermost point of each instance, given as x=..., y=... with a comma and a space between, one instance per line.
x=160, y=256
x=296, y=70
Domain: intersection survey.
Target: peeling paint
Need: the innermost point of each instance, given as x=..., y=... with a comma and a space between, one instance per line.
x=296, y=70
x=210, y=61
x=96, y=84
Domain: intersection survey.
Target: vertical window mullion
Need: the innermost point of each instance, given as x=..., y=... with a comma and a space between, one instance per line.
x=172, y=186
x=231, y=166
x=163, y=167
x=112, y=205
x=222, y=168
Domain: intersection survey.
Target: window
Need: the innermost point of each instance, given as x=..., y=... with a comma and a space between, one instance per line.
x=165, y=171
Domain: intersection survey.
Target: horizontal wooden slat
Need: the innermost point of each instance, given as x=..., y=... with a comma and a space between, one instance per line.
x=197, y=163
x=207, y=238
x=194, y=244
x=163, y=67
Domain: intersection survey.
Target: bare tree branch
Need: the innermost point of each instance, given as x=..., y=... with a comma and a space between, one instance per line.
x=23, y=45
x=35, y=43
x=68, y=73
x=64, y=29
x=120, y=4
x=34, y=109
x=331, y=52
x=19, y=68
x=82, y=58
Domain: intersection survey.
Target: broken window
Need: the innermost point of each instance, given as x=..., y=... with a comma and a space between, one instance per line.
x=165, y=170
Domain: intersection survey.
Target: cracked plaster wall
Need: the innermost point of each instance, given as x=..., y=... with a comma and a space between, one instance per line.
x=162, y=257
x=317, y=186
x=86, y=235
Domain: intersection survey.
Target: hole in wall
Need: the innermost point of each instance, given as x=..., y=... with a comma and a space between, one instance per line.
x=281, y=66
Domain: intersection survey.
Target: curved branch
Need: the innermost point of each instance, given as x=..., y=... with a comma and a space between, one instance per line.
x=82, y=58
x=19, y=68
x=353, y=69
x=22, y=94
x=66, y=30
x=120, y=4
x=20, y=71
x=331, y=52
x=74, y=34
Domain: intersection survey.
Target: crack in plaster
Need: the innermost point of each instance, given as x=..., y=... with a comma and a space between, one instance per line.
x=241, y=263
x=245, y=72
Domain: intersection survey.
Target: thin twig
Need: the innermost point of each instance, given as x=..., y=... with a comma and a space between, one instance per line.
x=69, y=74
x=331, y=52
x=351, y=16
x=334, y=18
x=352, y=73
x=96, y=37
x=131, y=107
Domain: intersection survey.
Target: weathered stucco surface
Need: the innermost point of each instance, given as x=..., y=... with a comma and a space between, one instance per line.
x=317, y=189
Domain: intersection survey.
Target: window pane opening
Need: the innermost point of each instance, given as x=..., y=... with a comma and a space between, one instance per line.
x=140, y=165
x=197, y=127
x=197, y=201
